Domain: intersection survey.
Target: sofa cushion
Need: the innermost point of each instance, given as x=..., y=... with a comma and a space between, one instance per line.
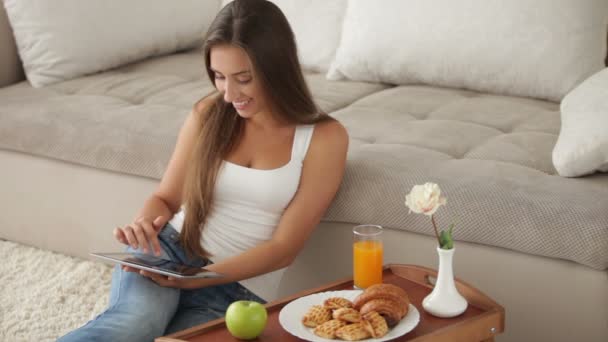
x=582, y=146
x=127, y=119
x=540, y=48
x=490, y=154
x=10, y=65
x=62, y=39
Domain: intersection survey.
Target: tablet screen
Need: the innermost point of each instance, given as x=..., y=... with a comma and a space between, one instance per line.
x=155, y=263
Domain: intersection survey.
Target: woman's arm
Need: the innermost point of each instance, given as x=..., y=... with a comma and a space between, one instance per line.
x=166, y=200
x=321, y=177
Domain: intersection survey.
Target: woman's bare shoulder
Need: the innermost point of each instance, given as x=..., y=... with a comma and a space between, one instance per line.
x=329, y=141
x=193, y=124
x=330, y=132
x=203, y=105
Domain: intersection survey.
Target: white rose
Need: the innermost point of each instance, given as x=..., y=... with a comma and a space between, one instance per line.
x=424, y=199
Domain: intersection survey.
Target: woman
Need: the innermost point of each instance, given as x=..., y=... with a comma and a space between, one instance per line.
x=254, y=169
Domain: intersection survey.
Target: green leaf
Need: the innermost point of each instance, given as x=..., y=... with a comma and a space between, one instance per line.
x=445, y=238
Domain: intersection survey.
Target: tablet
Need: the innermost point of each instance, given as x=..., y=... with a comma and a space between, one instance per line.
x=158, y=265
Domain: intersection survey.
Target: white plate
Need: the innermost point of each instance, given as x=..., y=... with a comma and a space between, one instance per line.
x=291, y=315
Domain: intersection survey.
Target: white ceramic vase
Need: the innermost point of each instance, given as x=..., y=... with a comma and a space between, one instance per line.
x=445, y=300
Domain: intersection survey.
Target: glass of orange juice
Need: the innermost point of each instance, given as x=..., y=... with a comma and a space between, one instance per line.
x=367, y=255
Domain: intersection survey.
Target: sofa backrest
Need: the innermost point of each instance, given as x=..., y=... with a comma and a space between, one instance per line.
x=11, y=70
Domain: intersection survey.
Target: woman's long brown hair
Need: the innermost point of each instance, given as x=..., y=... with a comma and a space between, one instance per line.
x=262, y=31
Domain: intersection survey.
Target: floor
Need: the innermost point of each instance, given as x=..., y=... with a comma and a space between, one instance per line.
x=44, y=294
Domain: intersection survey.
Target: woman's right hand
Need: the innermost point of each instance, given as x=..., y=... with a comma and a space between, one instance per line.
x=142, y=232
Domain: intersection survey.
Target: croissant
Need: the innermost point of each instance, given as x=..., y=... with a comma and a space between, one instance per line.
x=382, y=291
x=390, y=301
x=388, y=309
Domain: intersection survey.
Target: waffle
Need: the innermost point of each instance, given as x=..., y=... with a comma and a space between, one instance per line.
x=347, y=314
x=337, y=302
x=371, y=314
x=316, y=315
x=378, y=324
x=329, y=328
x=353, y=332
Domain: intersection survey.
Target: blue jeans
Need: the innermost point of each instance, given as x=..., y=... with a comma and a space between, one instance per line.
x=141, y=310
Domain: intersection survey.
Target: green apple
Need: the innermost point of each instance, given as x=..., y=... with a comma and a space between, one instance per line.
x=246, y=319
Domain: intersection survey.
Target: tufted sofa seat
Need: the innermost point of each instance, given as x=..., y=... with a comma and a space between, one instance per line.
x=491, y=154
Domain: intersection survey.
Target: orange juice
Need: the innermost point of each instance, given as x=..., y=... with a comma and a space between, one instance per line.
x=367, y=263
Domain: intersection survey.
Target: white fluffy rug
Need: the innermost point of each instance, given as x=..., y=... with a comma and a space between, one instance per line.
x=44, y=295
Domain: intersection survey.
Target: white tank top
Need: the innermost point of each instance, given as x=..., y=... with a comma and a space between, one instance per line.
x=246, y=209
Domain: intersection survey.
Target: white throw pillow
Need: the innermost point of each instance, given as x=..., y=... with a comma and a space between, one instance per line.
x=582, y=146
x=539, y=48
x=317, y=25
x=62, y=39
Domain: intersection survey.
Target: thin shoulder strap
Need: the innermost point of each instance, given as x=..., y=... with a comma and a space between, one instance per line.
x=301, y=141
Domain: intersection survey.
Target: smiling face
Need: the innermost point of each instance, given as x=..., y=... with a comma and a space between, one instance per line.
x=235, y=79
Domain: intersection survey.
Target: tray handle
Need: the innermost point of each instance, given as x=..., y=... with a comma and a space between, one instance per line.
x=427, y=277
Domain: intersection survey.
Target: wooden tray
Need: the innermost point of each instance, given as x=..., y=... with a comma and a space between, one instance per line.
x=482, y=320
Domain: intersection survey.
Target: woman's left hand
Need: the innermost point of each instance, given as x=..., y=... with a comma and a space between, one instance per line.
x=165, y=281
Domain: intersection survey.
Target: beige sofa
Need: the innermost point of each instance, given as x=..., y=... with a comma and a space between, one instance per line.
x=79, y=157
